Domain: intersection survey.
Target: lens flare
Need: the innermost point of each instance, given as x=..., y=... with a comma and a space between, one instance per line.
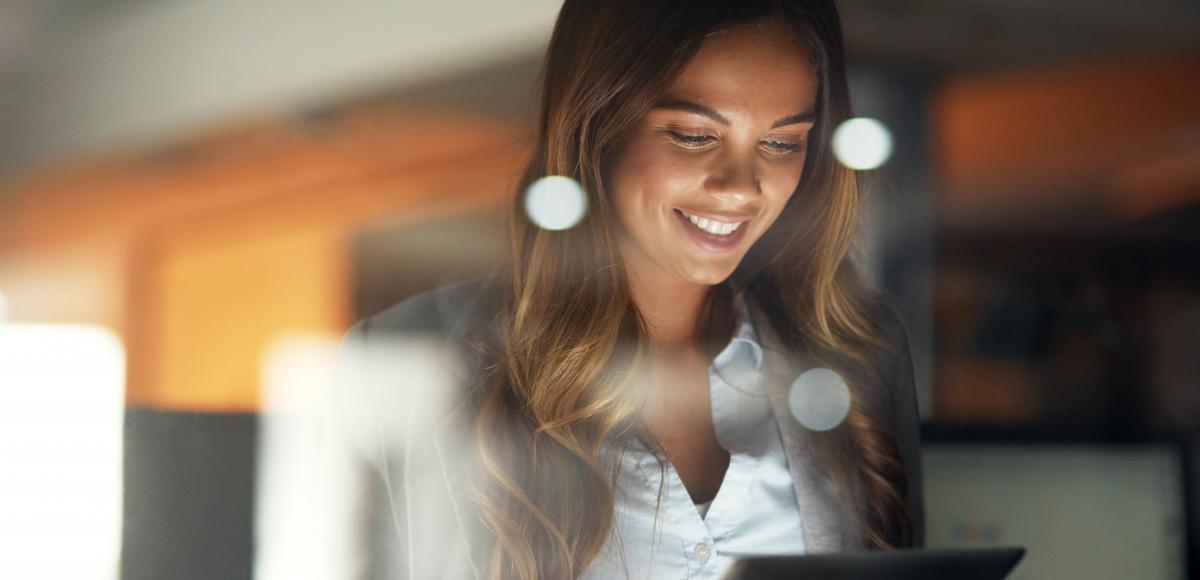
x=819, y=399
x=555, y=203
x=862, y=143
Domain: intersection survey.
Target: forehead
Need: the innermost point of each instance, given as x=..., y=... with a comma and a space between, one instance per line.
x=761, y=68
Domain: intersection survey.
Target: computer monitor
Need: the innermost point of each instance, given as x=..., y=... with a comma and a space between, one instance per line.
x=1082, y=508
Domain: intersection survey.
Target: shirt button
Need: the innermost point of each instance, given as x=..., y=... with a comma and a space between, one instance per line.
x=702, y=552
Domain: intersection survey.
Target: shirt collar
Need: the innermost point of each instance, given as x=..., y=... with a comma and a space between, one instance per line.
x=745, y=341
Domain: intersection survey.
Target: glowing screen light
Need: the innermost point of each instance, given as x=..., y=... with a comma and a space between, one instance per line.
x=62, y=404
x=862, y=143
x=819, y=399
x=555, y=203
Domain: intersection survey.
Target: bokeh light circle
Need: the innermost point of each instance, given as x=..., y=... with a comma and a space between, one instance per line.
x=819, y=399
x=862, y=143
x=555, y=203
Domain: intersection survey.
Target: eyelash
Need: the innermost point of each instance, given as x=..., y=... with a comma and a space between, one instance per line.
x=697, y=141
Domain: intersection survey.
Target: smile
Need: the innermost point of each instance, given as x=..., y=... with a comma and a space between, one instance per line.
x=713, y=226
x=712, y=234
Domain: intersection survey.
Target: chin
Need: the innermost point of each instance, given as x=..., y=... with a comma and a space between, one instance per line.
x=709, y=276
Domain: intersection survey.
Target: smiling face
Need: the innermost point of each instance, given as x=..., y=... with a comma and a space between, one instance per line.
x=710, y=167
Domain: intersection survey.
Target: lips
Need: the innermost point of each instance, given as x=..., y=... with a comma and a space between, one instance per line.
x=713, y=234
x=713, y=226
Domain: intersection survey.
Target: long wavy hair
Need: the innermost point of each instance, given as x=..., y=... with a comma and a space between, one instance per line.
x=569, y=339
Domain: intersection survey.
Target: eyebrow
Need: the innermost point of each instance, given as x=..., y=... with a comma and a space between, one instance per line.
x=690, y=107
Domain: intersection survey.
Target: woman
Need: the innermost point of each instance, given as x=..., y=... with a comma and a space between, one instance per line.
x=635, y=397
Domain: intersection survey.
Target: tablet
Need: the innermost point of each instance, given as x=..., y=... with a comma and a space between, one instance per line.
x=913, y=564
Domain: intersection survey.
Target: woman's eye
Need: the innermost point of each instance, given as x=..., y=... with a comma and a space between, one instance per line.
x=784, y=146
x=690, y=140
x=698, y=141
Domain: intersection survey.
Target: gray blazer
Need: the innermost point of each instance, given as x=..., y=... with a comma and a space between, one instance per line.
x=416, y=439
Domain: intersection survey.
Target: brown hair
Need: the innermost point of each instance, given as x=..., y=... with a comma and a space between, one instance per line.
x=569, y=335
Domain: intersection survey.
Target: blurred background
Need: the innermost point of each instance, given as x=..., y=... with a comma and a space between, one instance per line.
x=198, y=197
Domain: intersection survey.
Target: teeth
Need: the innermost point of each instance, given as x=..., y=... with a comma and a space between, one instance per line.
x=712, y=226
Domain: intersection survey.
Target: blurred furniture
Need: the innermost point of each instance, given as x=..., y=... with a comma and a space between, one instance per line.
x=1085, y=506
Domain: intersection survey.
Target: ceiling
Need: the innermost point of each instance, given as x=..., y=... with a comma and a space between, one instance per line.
x=67, y=66
x=941, y=34
x=975, y=35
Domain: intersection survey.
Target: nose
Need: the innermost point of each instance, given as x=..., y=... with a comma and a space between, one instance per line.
x=734, y=176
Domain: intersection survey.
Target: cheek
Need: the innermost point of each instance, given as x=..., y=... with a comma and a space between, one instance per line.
x=788, y=175
x=783, y=181
x=646, y=177
x=628, y=185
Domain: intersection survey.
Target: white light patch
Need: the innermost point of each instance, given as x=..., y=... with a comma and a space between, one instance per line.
x=62, y=408
x=555, y=203
x=295, y=470
x=3, y=308
x=333, y=412
x=862, y=143
x=295, y=373
x=819, y=399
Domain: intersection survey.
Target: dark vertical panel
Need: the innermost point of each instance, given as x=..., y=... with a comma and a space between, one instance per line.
x=189, y=489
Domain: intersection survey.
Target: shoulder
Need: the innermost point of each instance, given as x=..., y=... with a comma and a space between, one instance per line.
x=443, y=313
x=437, y=312
x=897, y=366
x=889, y=366
x=410, y=351
x=894, y=356
x=426, y=328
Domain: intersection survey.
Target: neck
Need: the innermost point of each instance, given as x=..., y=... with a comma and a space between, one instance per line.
x=670, y=306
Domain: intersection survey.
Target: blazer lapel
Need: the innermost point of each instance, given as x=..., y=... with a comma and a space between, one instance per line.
x=454, y=445
x=829, y=525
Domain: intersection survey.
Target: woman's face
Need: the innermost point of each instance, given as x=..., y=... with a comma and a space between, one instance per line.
x=710, y=167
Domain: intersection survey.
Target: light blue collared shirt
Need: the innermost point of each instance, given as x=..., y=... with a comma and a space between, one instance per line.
x=755, y=510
